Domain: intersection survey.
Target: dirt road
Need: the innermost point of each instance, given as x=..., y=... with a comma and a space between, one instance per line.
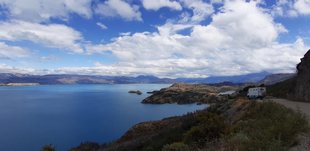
x=302, y=106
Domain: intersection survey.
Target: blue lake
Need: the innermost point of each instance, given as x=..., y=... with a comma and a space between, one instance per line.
x=66, y=115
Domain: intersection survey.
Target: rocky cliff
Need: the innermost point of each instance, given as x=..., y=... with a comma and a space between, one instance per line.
x=302, y=87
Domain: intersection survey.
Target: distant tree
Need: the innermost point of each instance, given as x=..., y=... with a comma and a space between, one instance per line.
x=244, y=91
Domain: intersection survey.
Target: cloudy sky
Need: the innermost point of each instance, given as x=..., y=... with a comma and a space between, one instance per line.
x=166, y=38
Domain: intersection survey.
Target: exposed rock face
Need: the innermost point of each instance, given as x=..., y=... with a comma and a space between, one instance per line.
x=187, y=93
x=302, y=88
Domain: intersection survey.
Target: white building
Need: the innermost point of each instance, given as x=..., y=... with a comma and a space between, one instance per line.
x=257, y=92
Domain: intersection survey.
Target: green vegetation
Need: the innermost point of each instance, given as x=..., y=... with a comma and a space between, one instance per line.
x=87, y=146
x=178, y=146
x=267, y=126
x=283, y=89
x=244, y=91
x=49, y=147
x=237, y=125
x=263, y=126
x=210, y=127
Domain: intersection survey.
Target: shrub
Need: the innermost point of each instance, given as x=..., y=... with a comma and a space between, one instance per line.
x=49, y=147
x=282, y=89
x=211, y=127
x=176, y=147
x=87, y=146
x=268, y=126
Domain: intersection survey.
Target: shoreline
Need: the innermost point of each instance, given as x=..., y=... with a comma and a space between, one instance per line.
x=19, y=84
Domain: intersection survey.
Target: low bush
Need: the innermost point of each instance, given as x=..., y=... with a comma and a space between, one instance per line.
x=211, y=127
x=49, y=147
x=178, y=146
x=268, y=126
x=283, y=89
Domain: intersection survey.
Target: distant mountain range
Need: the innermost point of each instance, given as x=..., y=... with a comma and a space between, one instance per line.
x=78, y=79
x=93, y=79
x=247, y=78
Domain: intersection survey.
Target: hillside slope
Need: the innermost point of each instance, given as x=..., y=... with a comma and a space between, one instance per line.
x=276, y=78
x=234, y=125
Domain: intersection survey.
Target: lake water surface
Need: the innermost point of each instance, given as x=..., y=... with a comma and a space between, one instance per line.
x=66, y=115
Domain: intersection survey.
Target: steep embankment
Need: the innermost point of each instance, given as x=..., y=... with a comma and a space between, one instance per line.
x=298, y=87
x=187, y=93
x=233, y=125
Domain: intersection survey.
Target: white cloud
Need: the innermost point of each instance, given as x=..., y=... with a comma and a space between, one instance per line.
x=171, y=28
x=52, y=35
x=291, y=8
x=118, y=8
x=44, y=10
x=4, y=68
x=217, y=1
x=200, y=9
x=157, y=4
x=246, y=25
x=125, y=34
x=241, y=39
x=49, y=58
x=302, y=7
x=11, y=52
x=102, y=26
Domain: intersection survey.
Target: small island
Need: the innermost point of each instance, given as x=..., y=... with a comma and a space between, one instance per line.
x=135, y=91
